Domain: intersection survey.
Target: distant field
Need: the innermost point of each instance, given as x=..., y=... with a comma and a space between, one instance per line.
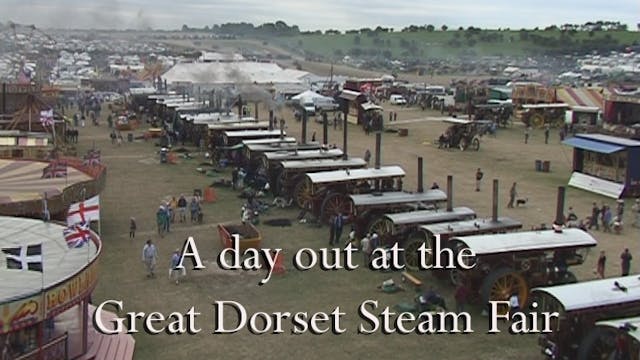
x=442, y=44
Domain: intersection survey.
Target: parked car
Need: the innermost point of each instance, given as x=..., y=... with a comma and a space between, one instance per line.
x=397, y=100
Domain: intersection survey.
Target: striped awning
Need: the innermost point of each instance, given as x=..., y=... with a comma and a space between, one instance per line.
x=582, y=97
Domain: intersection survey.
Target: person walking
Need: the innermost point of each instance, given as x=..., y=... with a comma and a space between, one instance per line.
x=337, y=229
x=173, y=206
x=160, y=221
x=150, y=257
x=607, y=218
x=625, y=263
x=479, y=176
x=365, y=244
x=132, y=228
x=546, y=133
x=595, y=213
x=182, y=208
x=395, y=116
x=512, y=195
x=636, y=213
x=602, y=262
x=174, y=272
x=367, y=156
x=526, y=135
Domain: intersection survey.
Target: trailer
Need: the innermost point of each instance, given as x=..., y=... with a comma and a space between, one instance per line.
x=576, y=334
x=513, y=263
x=250, y=237
x=326, y=193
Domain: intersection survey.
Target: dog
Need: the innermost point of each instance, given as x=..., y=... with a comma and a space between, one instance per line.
x=522, y=202
x=282, y=202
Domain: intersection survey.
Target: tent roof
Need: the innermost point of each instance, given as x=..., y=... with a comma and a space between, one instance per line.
x=307, y=95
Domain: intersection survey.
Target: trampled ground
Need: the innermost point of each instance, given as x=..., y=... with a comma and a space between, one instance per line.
x=137, y=183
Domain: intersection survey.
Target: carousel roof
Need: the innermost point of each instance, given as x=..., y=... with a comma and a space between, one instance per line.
x=22, y=180
x=56, y=260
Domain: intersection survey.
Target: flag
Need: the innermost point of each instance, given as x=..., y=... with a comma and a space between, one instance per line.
x=77, y=235
x=46, y=117
x=24, y=75
x=55, y=169
x=92, y=158
x=26, y=257
x=84, y=211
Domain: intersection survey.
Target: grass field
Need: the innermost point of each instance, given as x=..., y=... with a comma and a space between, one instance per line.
x=137, y=183
x=440, y=44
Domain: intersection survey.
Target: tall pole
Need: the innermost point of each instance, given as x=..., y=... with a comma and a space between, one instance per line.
x=304, y=126
x=4, y=98
x=325, y=128
x=344, y=133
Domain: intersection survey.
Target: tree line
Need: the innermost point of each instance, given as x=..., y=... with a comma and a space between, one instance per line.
x=280, y=28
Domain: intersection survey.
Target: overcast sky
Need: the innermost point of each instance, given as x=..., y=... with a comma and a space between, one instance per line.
x=316, y=14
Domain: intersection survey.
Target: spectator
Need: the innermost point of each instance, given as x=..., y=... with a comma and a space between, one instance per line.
x=132, y=228
x=625, y=264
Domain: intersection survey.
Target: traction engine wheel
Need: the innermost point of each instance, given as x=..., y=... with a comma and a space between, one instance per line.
x=500, y=284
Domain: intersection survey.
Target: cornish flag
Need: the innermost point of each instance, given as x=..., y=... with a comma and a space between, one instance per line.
x=84, y=212
x=46, y=117
x=26, y=257
x=77, y=235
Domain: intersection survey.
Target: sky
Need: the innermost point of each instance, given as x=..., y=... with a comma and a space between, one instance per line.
x=316, y=15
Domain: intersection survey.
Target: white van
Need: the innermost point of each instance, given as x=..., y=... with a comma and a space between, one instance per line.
x=397, y=100
x=308, y=106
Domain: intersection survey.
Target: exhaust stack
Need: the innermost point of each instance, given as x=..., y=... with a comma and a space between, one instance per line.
x=494, y=205
x=270, y=120
x=282, y=129
x=378, y=149
x=344, y=134
x=420, y=179
x=560, y=206
x=325, y=129
x=304, y=127
x=449, y=193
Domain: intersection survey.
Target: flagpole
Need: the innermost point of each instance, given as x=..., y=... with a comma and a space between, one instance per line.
x=42, y=272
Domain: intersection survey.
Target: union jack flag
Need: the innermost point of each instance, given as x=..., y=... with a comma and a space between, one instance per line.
x=46, y=117
x=77, y=235
x=92, y=158
x=55, y=169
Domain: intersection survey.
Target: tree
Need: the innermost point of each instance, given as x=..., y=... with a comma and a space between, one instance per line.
x=430, y=28
x=444, y=28
x=185, y=27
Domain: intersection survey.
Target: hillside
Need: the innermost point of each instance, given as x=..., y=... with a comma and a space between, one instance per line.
x=439, y=44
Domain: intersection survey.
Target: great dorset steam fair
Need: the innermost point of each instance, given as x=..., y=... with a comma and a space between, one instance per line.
x=386, y=320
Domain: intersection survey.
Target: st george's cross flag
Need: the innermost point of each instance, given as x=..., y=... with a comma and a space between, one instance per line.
x=26, y=257
x=77, y=235
x=84, y=211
